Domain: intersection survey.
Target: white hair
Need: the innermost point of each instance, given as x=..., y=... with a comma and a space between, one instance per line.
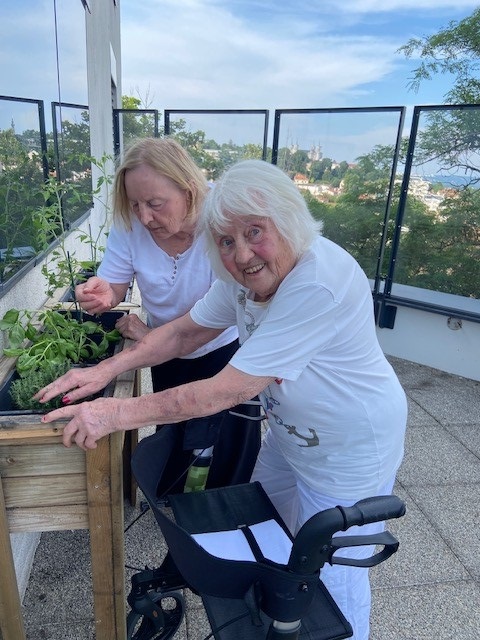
x=257, y=188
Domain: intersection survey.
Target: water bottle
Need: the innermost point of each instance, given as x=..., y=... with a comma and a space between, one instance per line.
x=198, y=471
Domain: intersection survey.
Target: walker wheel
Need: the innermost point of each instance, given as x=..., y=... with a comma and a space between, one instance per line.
x=140, y=627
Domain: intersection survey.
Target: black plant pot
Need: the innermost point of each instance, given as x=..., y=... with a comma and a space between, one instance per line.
x=107, y=320
x=69, y=295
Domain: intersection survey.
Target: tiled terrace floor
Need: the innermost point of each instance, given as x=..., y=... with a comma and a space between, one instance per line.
x=430, y=590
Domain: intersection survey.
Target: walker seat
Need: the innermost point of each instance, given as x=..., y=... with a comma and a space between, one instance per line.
x=256, y=581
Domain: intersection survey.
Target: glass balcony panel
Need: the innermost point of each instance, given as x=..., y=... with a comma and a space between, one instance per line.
x=218, y=139
x=344, y=160
x=439, y=247
x=21, y=178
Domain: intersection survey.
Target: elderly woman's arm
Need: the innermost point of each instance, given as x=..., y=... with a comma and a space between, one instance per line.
x=91, y=421
x=175, y=339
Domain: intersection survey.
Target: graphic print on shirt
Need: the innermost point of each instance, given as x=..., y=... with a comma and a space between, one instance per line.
x=242, y=301
x=271, y=402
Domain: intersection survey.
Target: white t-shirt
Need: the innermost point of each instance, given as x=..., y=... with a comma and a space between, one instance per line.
x=338, y=411
x=169, y=286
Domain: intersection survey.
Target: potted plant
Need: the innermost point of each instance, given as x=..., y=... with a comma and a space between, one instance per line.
x=47, y=343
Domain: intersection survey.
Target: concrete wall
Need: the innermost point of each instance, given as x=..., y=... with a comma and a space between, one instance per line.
x=434, y=340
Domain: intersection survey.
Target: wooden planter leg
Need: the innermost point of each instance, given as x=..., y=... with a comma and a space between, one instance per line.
x=105, y=512
x=11, y=620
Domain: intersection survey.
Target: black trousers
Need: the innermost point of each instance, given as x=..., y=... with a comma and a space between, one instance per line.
x=236, y=440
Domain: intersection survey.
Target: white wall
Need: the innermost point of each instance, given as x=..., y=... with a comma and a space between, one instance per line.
x=431, y=339
x=104, y=84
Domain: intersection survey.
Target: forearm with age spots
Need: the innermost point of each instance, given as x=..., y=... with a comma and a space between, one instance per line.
x=193, y=400
x=173, y=340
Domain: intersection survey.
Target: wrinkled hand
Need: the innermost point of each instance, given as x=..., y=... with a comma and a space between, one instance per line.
x=95, y=295
x=130, y=326
x=89, y=421
x=77, y=383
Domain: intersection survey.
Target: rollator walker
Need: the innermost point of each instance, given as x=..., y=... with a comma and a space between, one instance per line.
x=230, y=546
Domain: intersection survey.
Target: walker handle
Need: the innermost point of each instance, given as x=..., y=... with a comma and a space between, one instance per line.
x=312, y=546
x=373, y=509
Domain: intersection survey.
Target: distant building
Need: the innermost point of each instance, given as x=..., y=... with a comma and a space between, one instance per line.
x=300, y=179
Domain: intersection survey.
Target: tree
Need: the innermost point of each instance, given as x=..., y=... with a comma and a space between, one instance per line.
x=454, y=50
x=443, y=252
x=134, y=125
x=355, y=219
x=318, y=168
x=21, y=175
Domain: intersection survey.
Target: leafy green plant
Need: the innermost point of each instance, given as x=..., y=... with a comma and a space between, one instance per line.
x=97, y=249
x=48, y=222
x=24, y=388
x=49, y=336
x=61, y=267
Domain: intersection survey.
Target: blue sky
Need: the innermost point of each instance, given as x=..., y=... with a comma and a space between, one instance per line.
x=279, y=53
x=233, y=54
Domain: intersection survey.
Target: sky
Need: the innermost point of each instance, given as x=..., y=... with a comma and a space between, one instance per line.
x=231, y=54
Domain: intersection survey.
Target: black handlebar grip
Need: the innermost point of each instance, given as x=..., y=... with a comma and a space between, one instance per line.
x=373, y=509
x=312, y=546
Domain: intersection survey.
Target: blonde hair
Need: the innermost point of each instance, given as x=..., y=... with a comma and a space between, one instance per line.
x=257, y=188
x=169, y=159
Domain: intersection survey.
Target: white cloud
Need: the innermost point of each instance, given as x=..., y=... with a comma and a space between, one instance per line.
x=231, y=54
x=373, y=6
x=205, y=57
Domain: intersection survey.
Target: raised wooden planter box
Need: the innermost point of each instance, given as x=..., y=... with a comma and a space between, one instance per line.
x=44, y=487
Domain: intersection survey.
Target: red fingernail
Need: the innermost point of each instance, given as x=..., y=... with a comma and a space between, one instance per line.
x=65, y=399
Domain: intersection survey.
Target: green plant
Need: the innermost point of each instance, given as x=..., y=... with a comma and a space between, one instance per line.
x=49, y=336
x=97, y=249
x=62, y=266
x=24, y=388
x=48, y=222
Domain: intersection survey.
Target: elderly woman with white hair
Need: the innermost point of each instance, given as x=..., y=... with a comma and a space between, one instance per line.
x=304, y=312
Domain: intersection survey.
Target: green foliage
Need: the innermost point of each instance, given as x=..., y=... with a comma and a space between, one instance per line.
x=441, y=250
x=20, y=180
x=95, y=242
x=50, y=336
x=34, y=213
x=454, y=50
x=451, y=139
x=24, y=388
x=61, y=266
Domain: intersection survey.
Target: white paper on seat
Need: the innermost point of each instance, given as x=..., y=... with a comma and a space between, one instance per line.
x=232, y=545
x=272, y=540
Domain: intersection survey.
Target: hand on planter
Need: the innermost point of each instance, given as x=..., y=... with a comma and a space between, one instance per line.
x=89, y=421
x=95, y=295
x=130, y=326
x=78, y=383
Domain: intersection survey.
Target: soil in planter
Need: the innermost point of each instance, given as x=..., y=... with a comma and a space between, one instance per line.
x=106, y=320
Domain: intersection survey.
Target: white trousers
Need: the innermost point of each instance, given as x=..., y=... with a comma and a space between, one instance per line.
x=296, y=503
